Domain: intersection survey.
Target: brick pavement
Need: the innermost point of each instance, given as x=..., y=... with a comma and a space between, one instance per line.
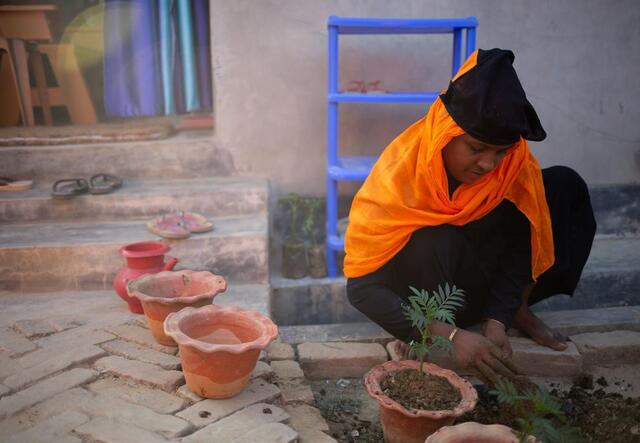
x=98, y=375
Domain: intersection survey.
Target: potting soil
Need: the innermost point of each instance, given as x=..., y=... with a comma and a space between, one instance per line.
x=418, y=390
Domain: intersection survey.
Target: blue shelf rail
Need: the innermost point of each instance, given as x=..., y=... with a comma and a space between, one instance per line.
x=357, y=168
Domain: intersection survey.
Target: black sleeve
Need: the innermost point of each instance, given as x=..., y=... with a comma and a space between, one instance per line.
x=514, y=267
x=372, y=295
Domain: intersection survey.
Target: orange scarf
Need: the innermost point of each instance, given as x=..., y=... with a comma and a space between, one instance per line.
x=408, y=190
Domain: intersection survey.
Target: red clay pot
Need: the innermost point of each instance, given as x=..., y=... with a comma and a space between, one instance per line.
x=171, y=291
x=219, y=347
x=401, y=425
x=145, y=257
x=477, y=433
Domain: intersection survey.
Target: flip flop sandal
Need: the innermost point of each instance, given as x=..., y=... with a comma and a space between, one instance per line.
x=195, y=222
x=168, y=228
x=104, y=183
x=10, y=185
x=69, y=187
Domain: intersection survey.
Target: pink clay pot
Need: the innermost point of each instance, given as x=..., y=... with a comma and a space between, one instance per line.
x=170, y=291
x=401, y=425
x=219, y=347
x=472, y=432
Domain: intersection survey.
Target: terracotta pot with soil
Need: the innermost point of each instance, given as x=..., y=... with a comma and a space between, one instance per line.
x=415, y=405
x=477, y=433
x=294, y=259
x=317, y=261
x=171, y=291
x=219, y=347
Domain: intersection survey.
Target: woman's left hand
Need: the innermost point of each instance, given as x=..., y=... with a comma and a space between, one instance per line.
x=495, y=331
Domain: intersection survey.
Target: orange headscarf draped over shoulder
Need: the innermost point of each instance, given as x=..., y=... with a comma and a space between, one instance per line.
x=408, y=190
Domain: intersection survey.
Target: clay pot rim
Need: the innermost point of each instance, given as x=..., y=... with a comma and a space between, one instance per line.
x=161, y=248
x=450, y=433
x=468, y=392
x=268, y=330
x=215, y=287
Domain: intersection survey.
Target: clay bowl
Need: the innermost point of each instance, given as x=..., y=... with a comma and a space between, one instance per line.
x=170, y=291
x=477, y=433
x=219, y=347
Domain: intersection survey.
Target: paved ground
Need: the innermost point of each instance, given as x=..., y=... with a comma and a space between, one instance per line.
x=79, y=367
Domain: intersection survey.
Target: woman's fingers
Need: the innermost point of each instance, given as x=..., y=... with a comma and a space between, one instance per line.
x=499, y=368
x=504, y=359
x=486, y=373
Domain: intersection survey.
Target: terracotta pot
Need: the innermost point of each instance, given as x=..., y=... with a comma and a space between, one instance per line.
x=316, y=257
x=477, y=433
x=401, y=425
x=219, y=347
x=141, y=258
x=294, y=259
x=170, y=291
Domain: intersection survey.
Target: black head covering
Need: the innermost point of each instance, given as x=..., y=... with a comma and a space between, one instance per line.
x=488, y=101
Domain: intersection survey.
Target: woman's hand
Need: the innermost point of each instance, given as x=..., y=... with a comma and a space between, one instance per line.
x=480, y=354
x=496, y=332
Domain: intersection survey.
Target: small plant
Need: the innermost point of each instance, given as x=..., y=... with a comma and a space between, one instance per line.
x=309, y=224
x=424, y=309
x=537, y=410
x=295, y=204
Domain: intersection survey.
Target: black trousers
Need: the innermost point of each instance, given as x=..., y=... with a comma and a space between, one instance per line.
x=445, y=253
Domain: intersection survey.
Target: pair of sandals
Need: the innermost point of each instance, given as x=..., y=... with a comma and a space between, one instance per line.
x=97, y=184
x=11, y=185
x=179, y=224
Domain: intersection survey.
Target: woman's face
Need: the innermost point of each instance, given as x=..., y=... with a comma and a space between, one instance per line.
x=468, y=159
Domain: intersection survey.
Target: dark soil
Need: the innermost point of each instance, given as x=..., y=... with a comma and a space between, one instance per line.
x=600, y=417
x=417, y=390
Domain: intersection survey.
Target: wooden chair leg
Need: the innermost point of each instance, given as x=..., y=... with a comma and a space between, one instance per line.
x=22, y=74
x=10, y=104
x=41, y=85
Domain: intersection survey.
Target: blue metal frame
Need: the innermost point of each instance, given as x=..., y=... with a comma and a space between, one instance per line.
x=357, y=168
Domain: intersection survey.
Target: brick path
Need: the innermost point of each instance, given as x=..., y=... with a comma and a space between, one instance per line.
x=80, y=367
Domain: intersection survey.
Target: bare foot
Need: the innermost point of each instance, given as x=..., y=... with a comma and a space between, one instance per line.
x=531, y=325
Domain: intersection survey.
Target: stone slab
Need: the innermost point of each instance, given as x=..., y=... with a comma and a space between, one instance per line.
x=137, y=352
x=579, y=321
x=14, y=343
x=4, y=390
x=85, y=335
x=269, y=433
x=102, y=429
x=140, y=372
x=286, y=369
x=34, y=328
x=359, y=332
x=615, y=347
x=339, y=360
x=64, y=249
x=8, y=366
x=158, y=401
x=44, y=389
x=305, y=419
x=141, y=336
x=209, y=411
x=63, y=360
x=280, y=351
x=533, y=359
x=51, y=429
x=237, y=424
x=142, y=417
x=215, y=196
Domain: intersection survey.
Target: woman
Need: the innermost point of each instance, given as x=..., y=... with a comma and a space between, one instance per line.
x=459, y=198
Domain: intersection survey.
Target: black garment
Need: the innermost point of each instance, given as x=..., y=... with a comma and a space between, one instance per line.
x=489, y=258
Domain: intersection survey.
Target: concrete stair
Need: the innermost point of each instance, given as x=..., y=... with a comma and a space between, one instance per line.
x=49, y=245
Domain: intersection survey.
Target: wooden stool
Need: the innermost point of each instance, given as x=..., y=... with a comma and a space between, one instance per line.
x=29, y=22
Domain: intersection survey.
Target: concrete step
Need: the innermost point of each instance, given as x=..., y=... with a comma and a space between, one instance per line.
x=186, y=155
x=572, y=322
x=217, y=196
x=73, y=256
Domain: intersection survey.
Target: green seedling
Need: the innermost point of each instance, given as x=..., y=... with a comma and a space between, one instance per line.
x=538, y=412
x=295, y=203
x=311, y=205
x=424, y=309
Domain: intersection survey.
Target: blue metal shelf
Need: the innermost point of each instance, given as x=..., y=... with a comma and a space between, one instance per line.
x=357, y=168
x=383, y=97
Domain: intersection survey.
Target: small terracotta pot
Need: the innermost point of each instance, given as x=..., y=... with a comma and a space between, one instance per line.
x=316, y=257
x=171, y=291
x=401, y=425
x=294, y=259
x=219, y=347
x=476, y=433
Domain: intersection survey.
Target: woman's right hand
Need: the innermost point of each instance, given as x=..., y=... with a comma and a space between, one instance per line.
x=478, y=353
